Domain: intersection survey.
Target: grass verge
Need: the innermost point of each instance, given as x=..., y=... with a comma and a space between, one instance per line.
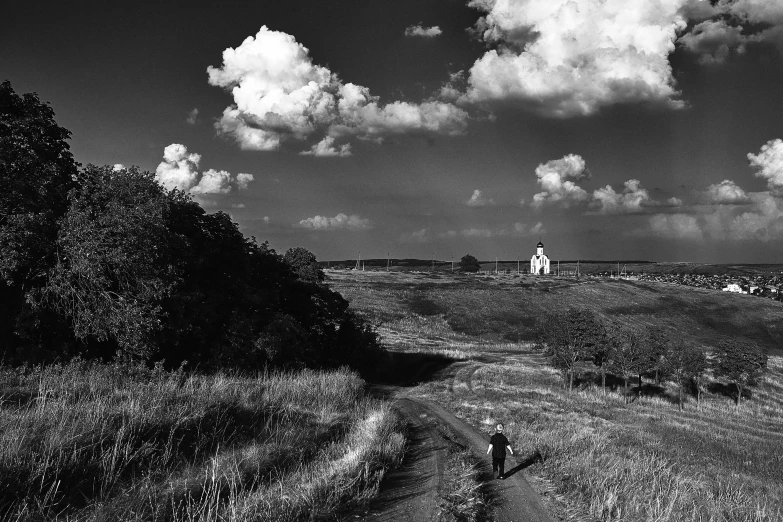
x=86, y=441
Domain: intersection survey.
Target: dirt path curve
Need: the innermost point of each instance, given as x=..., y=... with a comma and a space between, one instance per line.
x=411, y=492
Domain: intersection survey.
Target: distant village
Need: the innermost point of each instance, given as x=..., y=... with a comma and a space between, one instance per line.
x=768, y=286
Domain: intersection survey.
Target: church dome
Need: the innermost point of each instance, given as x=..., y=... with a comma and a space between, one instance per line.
x=540, y=245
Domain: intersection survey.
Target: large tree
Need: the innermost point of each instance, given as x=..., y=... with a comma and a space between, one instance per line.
x=629, y=356
x=740, y=363
x=468, y=263
x=36, y=172
x=686, y=364
x=304, y=264
x=568, y=337
x=113, y=266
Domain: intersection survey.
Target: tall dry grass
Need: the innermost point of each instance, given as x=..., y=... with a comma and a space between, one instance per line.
x=85, y=441
x=646, y=461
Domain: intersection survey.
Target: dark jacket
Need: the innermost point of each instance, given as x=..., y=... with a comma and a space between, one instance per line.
x=499, y=443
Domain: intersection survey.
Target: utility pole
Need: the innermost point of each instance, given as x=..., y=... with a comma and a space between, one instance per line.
x=452, y=262
x=496, y=264
x=358, y=261
x=388, y=260
x=517, y=265
x=558, y=268
x=577, y=269
x=433, y=261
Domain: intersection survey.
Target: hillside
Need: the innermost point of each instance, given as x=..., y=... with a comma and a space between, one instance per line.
x=505, y=308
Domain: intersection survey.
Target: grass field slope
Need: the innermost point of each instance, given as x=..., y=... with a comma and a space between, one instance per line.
x=505, y=307
x=95, y=442
x=593, y=456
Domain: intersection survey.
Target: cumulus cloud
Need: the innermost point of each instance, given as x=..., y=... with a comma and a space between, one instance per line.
x=769, y=165
x=633, y=199
x=192, y=117
x=478, y=232
x=280, y=94
x=524, y=230
x=479, y=200
x=558, y=179
x=724, y=193
x=761, y=219
x=179, y=170
x=732, y=24
x=675, y=226
x=712, y=40
x=572, y=57
x=118, y=166
x=339, y=222
x=419, y=236
x=420, y=30
x=325, y=149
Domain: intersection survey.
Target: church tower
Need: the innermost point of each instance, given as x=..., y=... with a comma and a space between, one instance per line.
x=539, y=263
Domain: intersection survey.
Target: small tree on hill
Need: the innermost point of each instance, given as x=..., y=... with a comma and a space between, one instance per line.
x=601, y=354
x=304, y=264
x=741, y=363
x=628, y=354
x=568, y=338
x=687, y=364
x=468, y=263
x=659, y=346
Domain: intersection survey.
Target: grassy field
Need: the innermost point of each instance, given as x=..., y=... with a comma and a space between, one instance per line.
x=95, y=442
x=504, y=308
x=596, y=457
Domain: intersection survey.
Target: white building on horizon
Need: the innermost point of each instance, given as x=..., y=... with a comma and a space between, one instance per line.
x=539, y=263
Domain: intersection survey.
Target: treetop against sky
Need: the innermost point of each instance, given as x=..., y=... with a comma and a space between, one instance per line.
x=611, y=129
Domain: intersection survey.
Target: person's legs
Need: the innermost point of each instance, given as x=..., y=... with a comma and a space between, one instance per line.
x=494, y=465
x=501, y=470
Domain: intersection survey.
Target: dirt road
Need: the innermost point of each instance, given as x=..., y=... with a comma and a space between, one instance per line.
x=412, y=492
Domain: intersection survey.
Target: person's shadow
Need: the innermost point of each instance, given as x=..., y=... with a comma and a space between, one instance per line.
x=529, y=461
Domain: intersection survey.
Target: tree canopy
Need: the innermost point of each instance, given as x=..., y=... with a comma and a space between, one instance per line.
x=468, y=263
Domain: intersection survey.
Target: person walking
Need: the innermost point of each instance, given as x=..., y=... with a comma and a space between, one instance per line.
x=498, y=444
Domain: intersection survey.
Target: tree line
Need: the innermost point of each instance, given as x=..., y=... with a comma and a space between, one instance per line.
x=576, y=337
x=102, y=262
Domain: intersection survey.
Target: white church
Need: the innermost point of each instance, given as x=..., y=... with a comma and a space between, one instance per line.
x=539, y=263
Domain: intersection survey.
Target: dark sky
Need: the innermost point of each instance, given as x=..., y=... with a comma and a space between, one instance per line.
x=660, y=101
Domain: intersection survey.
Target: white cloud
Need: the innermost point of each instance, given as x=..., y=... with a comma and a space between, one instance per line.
x=557, y=178
x=179, y=170
x=769, y=165
x=479, y=200
x=192, y=116
x=280, y=94
x=572, y=57
x=712, y=40
x=760, y=220
x=419, y=236
x=478, y=232
x=419, y=30
x=522, y=229
x=118, y=166
x=266, y=219
x=632, y=199
x=675, y=226
x=448, y=234
x=339, y=222
x=724, y=193
x=325, y=148
x=732, y=24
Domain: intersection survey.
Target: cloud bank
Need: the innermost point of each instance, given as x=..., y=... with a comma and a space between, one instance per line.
x=339, y=222
x=421, y=31
x=280, y=94
x=559, y=180
x=479, y=200
x=572, y=57
x=179, y=170
x=769, y=165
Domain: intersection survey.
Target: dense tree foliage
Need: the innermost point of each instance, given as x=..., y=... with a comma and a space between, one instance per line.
x=468, y=263
x=36, y=172
x=570, y=337
x=741, y=363
x=686, y=365
x=304, y=264
x=104, y=262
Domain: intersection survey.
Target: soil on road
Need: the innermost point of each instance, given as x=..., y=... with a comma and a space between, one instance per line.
x=412, y=492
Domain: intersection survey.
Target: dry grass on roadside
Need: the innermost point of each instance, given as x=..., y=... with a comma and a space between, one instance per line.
x=646, y=461
x=93, y=442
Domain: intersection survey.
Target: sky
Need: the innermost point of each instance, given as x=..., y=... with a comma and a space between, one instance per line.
x=608, y=129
